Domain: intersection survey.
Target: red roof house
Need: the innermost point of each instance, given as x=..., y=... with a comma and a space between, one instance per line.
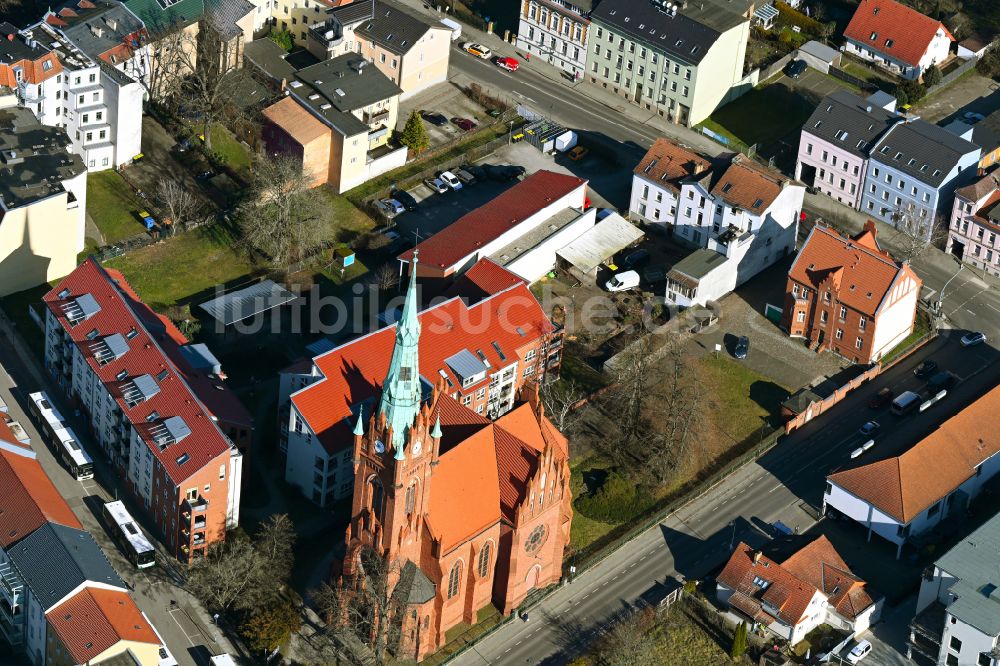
x=97, y=624
x=897, y=37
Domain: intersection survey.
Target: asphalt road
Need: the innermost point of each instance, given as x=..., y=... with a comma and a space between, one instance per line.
x=184, y=626
x=697, y=538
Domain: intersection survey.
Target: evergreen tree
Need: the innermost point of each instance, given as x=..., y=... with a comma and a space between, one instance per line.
x=414, y=135
x=932, y=76
x=739, y=641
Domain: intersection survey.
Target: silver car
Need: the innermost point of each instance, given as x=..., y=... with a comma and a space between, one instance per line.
x=436, y=184
x=390, y=207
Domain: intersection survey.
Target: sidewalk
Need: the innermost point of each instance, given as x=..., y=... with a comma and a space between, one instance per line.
x=618, y=105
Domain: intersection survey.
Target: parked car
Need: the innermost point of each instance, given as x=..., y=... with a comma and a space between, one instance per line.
x=972, y=117
x=463, y=124
x=478, y=172
x=654, y=274
x=205, y=175
x=869, y=429
x=859, y=652
x=434, y=118
x=973, y=339
x=450, y=179
x=477, y=50
x=464, y=176
x=623, y=281
x=391, y=236
x=510, y=64
x=881, y=399
x=795, y=68
x=578, y=153
x=925, y=369
x=742, y=347
x=389, y=207
x=940, y=381
x=635, y=259
x=494, y=113
x=504, y=172
x=405, y=198
x=436, y=184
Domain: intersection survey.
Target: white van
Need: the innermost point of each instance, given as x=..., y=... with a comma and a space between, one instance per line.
x=623, y=281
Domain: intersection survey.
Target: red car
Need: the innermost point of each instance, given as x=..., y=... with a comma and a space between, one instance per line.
x=510, y=64
x=463, y=123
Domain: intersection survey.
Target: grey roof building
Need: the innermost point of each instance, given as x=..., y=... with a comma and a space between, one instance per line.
x=98, y=26
x=922, y=150
x=34, y=160
x=389, y=25
x=958, y=607
x=54, y=560
x=849, y=121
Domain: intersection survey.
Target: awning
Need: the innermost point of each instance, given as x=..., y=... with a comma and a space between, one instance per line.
x=600, y=243
x=245, y=303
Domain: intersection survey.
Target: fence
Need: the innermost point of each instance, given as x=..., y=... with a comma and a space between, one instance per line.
x=777, y=66
x=838, y=73
x=815, y=408
x=953, y=75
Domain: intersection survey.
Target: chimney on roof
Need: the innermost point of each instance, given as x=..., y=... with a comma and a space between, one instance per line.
x=697, y=167
x=756, y=556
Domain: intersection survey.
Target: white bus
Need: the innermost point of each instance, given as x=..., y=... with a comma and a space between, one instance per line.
x=75, y=458
x=130, y=538
x=52, y=424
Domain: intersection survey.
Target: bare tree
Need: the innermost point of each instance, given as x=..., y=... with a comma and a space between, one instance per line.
x=916, y=232
x=275, y=543
x=172, y=57
x=560, y=398
x=228, y=576
x=385, y=277
x=630, y=642
x=367, y=605
x=282, y=216
x=184, y=207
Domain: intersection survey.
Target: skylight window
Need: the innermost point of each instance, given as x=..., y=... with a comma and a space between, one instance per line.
x=818, y=123
x=885, y=150
x=841, y=135
x=757, y=203
x=727, y=187
x=888, y=43
x=874, y=36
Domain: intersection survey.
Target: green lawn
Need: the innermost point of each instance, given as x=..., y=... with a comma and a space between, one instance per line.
x=229, y=150
x=186, y=264
x=113, y=206
x=588, y=379
x=740, y=400
x=585, y=531
x=753, y=119
x=921, y=327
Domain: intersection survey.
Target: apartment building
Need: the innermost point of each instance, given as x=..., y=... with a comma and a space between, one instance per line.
x=680, y=60
x=896, y=38
x=848, y=295
x=556, y=31
x=657, y=181
x=914, y=168
x=903, y=497
x=296, y=16
x=337, y=118
x=794, y=585
x=483, y=352
x=105, y=31
x=975, y=224
x=43, y=196
x=61, y=601
x=834, y=144
x=164, y=423
x=99, y=106
x=411, y=52
x=958, y=606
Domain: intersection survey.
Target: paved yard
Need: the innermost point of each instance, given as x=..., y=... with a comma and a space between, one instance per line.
x=970, y=93
x=444, y=98
x=772, y=353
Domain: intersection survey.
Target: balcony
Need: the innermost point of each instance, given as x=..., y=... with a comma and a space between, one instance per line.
x=200, y=522
x=926, y=631
x=326, y=35
x=11, y=625
x=372, y=117
x=10, y=583
x=29, y=92
x=192, y=506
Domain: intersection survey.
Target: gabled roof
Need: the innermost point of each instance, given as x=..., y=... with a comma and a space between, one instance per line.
x=54, y=560
x=899, y=31
x=37, y=63
x=224, y=15
x=294, y=119
x=921, y=150
x=94, y=619
x=393, y=28
x=748, y=185
x=820, y=565
x=97, y=27
x=863, y=272
x=164, y=16
x=849, y=122
x=980, y=189
x=905, y=486
x=766, y=581
x=353, y=372
x=163, y=377
x=28, y=498
x=974, y=578
x=485, y=278
x=666, y=163
x=485, y=224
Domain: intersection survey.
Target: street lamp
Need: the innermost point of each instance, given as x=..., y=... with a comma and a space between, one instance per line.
x=940, y=303
x=732, y=537
x=510, y=131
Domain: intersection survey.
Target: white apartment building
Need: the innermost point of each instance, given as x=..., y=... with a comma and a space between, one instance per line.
x=958, y=607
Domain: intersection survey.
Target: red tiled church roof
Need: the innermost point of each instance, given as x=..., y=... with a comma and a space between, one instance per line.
x=491, y=220
x=28, y=498
x=95, y=619
x=354, y=371
x=908, y=31
x=119, y=313
x=906, y=485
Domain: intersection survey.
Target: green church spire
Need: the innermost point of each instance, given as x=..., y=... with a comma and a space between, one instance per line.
x=401, y=393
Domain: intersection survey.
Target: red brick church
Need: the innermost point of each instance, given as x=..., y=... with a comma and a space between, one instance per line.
x=467, y=511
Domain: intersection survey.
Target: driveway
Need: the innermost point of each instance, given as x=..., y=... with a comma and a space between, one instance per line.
x=970, y=93
x=447, y=99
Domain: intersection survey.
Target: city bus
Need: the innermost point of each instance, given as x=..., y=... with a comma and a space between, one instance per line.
x=130, y=538
x=66, y=443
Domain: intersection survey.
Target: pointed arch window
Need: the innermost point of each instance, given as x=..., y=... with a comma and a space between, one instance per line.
x=484, y=559
x=454, y=579
x=377, y=498
x=411, y=497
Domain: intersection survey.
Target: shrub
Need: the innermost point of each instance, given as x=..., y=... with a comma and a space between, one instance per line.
x=932, y=76
x=909, y=92
x=989, y=64
x=618, y=500
x=283, y=38
x=791, y=16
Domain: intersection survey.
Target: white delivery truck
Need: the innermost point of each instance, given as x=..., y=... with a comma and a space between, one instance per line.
x=566, y=141
x=456, y=28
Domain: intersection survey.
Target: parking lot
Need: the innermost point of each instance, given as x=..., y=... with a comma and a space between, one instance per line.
x=444, y=98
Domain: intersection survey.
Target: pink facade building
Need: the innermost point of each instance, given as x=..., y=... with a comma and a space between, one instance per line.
x=975, y=224
x=833, y=148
